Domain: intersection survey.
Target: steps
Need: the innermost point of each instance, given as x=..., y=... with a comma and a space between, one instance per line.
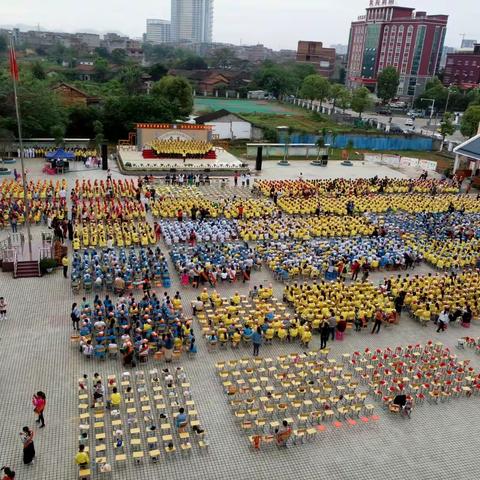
x=27, y=269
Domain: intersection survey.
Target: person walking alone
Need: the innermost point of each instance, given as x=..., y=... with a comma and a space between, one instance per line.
x=28, y=446
x=257, y=341
x=39, y=401
x=65, y=265
x=75, y=316
x=378, y=321
x=324, y=334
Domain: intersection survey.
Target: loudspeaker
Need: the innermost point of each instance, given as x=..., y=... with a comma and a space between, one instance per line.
x=258, y=162
x=104, y=157
x=324, y=160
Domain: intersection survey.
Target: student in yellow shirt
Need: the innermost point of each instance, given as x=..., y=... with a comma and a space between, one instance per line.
x=115, y=398
x=82, y=458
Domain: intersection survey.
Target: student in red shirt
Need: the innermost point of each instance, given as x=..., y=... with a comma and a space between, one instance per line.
x=9, y=474
x=39, y=401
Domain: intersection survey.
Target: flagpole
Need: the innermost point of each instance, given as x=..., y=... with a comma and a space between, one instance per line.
x=20, y=142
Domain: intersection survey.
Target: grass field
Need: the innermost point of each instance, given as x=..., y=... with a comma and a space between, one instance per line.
x=204, y=105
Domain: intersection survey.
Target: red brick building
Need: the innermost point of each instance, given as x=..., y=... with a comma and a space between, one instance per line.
x=463, y=68
x=313, y=53
x=389, y=35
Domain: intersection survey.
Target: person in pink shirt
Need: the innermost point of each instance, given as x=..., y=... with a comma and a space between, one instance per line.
x=39, y=401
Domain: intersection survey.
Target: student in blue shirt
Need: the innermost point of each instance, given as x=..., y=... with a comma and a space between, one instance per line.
x=257, y=341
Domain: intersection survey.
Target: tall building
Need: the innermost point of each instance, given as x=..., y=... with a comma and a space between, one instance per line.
x=158, y=31
x=389, y=35
x=192, y=20
x=313, y=53
x=463, y=68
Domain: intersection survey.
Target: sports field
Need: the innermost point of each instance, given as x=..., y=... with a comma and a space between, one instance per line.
x=204, y=105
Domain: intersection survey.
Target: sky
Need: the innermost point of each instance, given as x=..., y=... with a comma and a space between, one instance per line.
x=275, y=23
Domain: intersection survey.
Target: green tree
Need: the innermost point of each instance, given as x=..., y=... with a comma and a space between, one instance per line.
x=38, y=71
x=131, y=78
x=80, y=121
x=274, y=79
x=337, y=91
x=387, y=84
x=58, y=133
x=121, y=113
x=222, y=58
x=177, y=91
x=344, y=100
x=157, y=71
x=98, y=130
x=101, y=69
x=360, y=100
x=119, y=56
x=192, y=62
x=470, y=121
x=3, y=44
x=102, y=52
x=446, y=127
x=315, y=87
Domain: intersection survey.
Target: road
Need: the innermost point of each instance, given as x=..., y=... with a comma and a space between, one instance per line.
x=420, y=124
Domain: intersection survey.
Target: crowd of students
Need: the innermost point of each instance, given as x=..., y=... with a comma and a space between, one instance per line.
x=137, y=329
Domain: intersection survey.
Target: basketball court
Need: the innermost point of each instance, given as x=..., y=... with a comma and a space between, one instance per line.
x=202, y=104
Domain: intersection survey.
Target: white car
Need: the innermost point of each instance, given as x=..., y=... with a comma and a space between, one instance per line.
x=409, y=122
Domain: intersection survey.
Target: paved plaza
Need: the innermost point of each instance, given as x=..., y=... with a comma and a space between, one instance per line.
x=440, y=441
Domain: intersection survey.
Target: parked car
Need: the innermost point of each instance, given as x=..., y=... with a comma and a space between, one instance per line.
x=394, y=128
x=384, y=111
x=409, y=122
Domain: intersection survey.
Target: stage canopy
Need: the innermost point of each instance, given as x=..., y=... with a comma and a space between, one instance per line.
x=59, y=154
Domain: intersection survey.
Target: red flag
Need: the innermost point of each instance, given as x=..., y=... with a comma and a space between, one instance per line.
x=13, y=63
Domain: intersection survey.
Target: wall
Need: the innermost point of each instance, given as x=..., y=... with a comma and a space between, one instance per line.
x=278, y=150
x=399, y=161
x=370, y=142
x=229, y=130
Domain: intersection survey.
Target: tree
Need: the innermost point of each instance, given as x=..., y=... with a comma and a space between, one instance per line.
x=80, y=121
x=119, y=56
x=387, y=84
x=470, y=121
x=157, y=71
x=3, y=44
x=178, y=92
x=121, y=113
x=38, y=71
x=98, y=129
x=58, y=133
x=344, y=100
x=336, y=92
x=222, y=58
x=101, y=69
x=274, y=79
x=360, y=100
x=446, y=127
x=131, y=79
x=102, y=52
x=192, y=62
x=315, y=87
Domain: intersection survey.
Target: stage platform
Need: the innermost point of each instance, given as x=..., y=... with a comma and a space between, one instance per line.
x=131, y=160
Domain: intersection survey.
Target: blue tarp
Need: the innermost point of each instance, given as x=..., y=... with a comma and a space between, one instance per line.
x=59, y=154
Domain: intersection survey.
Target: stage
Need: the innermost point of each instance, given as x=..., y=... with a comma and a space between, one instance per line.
x=131, y=160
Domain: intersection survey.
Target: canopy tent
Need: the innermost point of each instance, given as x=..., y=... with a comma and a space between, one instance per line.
x=60, y=154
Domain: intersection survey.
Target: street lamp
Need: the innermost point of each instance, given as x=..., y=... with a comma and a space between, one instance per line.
x=448, y=98
x=284, y=129
x=431, y=108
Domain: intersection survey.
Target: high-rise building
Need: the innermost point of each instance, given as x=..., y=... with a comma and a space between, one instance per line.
x=313, y=53
x=192, y=20
x=158, y=31
x=389, y=35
